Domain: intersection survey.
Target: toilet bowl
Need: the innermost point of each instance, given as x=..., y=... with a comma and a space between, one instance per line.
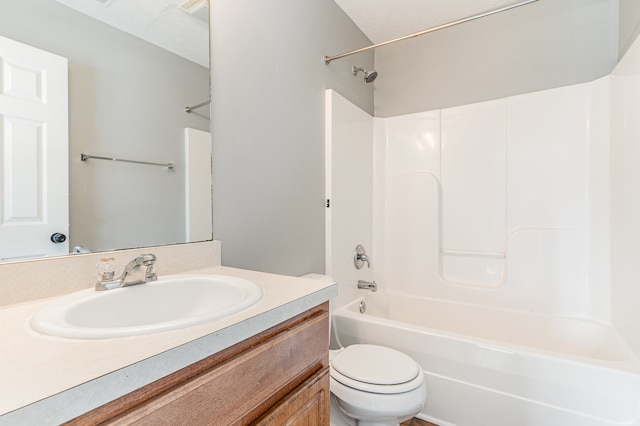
x=373, y=385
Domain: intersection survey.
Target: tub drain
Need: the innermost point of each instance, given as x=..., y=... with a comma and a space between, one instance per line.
x=363, y=307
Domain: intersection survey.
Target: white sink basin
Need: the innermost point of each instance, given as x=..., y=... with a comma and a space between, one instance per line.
x=169, y=303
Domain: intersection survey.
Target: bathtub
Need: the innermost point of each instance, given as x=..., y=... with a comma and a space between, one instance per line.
x=495, y=367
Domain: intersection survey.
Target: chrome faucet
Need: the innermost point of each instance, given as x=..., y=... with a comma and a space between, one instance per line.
x=133, y=274
x=360, y=257
x=368, y=285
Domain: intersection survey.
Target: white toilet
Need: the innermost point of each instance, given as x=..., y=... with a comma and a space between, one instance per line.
x=373, y=385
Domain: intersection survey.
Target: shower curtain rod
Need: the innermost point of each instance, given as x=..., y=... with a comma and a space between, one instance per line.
x=328, y=59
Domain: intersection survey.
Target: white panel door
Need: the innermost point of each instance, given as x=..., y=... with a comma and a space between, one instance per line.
x=33, y=152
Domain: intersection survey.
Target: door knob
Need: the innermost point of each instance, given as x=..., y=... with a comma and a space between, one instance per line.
x=58, y=238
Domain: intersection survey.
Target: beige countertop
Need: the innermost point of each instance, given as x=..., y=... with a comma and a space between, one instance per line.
x=48, y=380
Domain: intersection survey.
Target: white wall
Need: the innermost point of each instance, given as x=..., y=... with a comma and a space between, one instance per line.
x=349, y=159
x=629, y=24
x=539, y=46
x=269, y=79
x=625, y=194
x=268, y=84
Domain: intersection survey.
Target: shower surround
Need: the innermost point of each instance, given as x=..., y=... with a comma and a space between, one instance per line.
x=500, y=203
x=525, y=206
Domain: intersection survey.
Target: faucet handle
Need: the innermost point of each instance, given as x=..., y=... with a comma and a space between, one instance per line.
x=148, y=260
x=149, y=274
x=360, y=257
x=106, y=269
x=106, y=272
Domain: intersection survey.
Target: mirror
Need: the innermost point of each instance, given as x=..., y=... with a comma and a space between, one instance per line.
x=131, y=75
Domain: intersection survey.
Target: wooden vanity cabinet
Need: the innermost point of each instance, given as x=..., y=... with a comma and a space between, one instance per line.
x=308, y=405
x=277, y=377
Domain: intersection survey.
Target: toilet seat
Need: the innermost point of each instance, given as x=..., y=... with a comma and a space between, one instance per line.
x=376, y=369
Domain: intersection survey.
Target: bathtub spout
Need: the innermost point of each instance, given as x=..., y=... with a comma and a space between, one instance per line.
x=366, y=285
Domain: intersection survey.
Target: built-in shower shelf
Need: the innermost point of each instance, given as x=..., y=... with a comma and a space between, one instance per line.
x=473, y=268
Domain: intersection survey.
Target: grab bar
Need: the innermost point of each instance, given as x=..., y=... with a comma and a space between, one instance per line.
x=85, y=157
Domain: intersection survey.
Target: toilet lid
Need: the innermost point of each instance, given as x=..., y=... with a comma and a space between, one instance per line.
x=379, y=366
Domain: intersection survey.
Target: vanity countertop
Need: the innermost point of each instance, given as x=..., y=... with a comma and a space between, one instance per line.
x=48, y=380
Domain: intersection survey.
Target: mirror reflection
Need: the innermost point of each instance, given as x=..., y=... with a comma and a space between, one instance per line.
x=131, y=71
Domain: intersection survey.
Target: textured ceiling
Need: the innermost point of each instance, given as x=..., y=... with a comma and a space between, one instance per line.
x=160, y=22
x=383, y=20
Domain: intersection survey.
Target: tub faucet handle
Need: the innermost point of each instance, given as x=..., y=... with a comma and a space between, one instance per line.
x=360, y=257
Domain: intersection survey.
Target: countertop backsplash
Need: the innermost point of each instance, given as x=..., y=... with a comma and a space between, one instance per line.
x=28, y=280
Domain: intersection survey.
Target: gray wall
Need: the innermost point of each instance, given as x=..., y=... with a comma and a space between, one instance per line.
x=268, y=83
x=126, y=99
x=629, y=24
x=550, y=43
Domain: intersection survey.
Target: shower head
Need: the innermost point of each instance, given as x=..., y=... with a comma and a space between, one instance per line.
x=369, y=76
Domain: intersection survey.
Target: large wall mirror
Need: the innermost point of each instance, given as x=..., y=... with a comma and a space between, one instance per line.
x=132, y=72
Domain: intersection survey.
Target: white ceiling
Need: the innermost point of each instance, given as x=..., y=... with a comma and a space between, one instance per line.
x=383, y=20
x=160, y=22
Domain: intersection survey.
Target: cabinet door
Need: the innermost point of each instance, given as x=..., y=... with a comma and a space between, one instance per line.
x=237, y=385
x=231, y=393
x=308, y=405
